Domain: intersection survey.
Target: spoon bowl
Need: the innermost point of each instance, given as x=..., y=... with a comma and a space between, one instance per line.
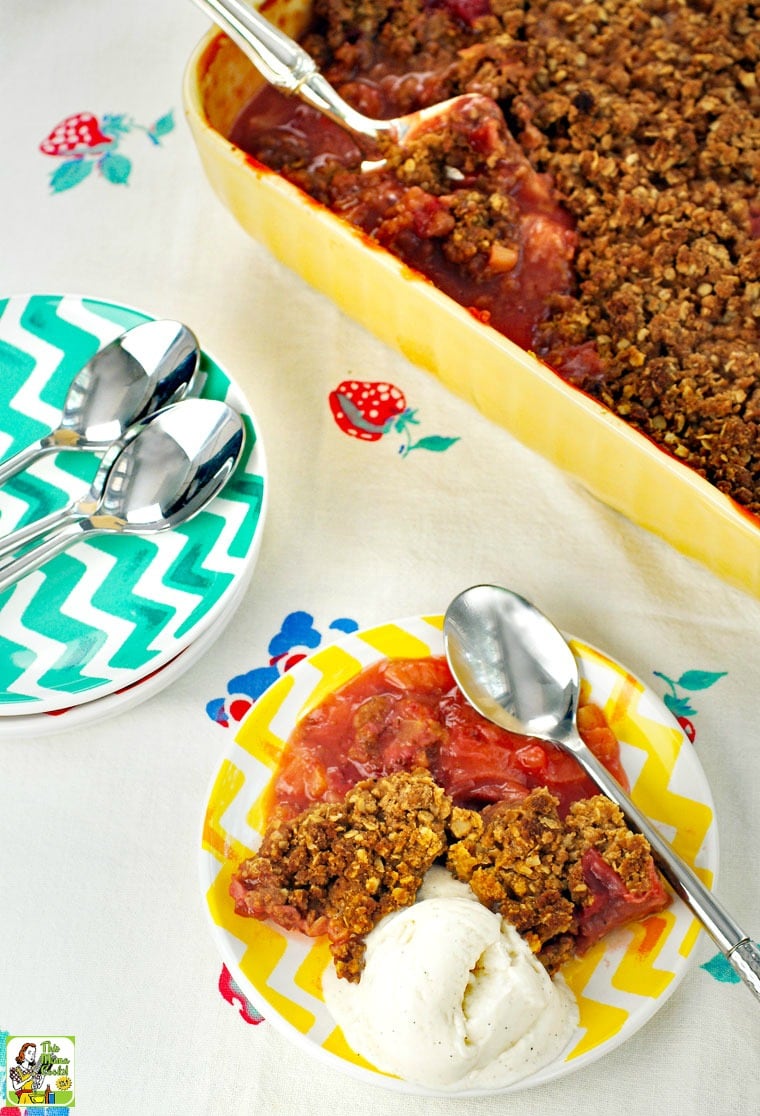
x=517, y=670
x=146, y=368
x=506, y=658
x=171, y=466
x=167, y=469
x=149, y=366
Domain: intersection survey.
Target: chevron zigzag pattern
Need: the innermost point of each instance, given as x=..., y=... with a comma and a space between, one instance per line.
x=108, y=610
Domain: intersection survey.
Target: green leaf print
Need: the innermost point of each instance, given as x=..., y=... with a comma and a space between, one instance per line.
x=69, y=174
x=699, y=679
x=434, y=443
x=116, y=168
x=163, y=126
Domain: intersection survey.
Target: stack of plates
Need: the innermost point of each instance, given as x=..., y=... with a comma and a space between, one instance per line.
x=113, y=619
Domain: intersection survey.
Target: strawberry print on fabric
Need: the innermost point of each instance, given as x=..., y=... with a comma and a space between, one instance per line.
x=371, y=409
x=366, y=410
x=76, y=135
x=84, y=143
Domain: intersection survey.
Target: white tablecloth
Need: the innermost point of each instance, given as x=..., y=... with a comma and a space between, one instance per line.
x=103, y=933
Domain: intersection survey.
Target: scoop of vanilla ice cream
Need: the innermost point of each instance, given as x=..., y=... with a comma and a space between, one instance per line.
x=451, y=997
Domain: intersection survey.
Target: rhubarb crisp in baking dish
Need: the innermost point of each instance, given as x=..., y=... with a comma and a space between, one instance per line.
x=595, y=199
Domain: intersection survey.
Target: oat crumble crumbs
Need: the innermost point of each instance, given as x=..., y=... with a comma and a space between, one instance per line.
x=338, y=868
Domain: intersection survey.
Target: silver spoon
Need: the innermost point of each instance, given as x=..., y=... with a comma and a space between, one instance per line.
x=168, y=469
x=516, y=669
x=288, y=67
x=146, y=367
x=84, y=505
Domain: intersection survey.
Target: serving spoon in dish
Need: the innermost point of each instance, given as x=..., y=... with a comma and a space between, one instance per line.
x=517, y=670
x=291, y=69
x=148, y=366
x=167, y=469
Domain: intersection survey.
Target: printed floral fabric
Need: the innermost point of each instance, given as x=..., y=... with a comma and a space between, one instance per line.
x=82, y=144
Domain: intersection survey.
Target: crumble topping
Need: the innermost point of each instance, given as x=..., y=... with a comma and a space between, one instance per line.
x=514, y=857
x=645, y=115
x=337, y=868
x=539, y=871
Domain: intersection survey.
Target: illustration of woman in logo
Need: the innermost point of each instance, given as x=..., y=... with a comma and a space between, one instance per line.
x=24, y=1074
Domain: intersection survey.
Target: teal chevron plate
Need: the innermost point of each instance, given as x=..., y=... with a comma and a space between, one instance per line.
x=112, y=610
x=33, y=726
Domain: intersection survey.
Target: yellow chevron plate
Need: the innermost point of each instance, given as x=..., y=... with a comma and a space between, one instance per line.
x=619, y=984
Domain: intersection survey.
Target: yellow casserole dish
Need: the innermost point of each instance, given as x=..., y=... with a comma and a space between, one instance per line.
x=510, y=386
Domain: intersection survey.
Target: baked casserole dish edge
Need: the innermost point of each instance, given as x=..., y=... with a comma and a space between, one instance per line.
x=614, y=462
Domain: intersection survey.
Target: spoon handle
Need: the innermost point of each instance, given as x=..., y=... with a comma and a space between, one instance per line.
x=85, y=506
x=285, y=64
x=23, y=459
x=733, y=942
x=745, y=960
x=70, y=532
x=13, y=541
